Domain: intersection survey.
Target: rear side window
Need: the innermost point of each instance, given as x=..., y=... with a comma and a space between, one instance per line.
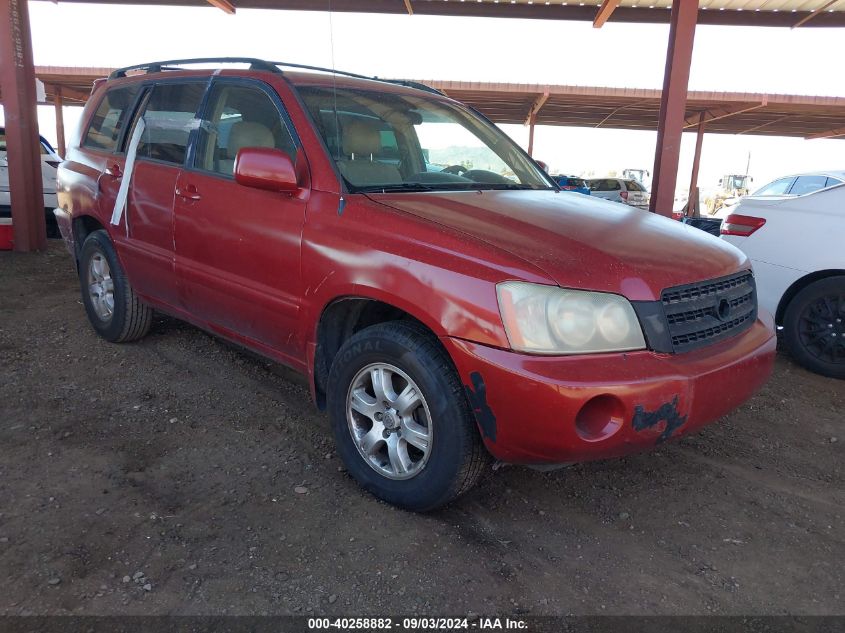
x=633, y=185
x=110, y=118
x=169, y=116
x=604, y=184
x=807, y=184
x=832, y=182
x=777, y=188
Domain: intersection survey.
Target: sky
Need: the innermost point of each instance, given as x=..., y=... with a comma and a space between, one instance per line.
x=741, y=59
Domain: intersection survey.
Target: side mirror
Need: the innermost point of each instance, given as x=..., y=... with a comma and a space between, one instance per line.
x=265, y=168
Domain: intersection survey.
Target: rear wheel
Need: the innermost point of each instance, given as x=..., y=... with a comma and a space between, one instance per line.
x=113, y=308
x=814, y=327
x=400, y=418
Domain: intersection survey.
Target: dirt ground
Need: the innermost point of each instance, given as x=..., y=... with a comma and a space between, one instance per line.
x=158, y=478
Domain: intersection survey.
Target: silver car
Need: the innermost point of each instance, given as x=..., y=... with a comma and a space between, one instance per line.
x=624, y=190
x=49, y=162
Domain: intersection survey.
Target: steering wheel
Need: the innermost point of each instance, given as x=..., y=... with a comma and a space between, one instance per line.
x=456, y=170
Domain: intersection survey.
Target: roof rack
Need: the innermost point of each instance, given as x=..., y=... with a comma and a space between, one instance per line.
x=154, y=67
x=259, y=64
x=400, y=82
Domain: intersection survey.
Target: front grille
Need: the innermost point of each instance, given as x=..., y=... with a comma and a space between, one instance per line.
x=710, y=311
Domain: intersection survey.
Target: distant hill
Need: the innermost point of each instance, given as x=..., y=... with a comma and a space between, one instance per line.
x=469, y=157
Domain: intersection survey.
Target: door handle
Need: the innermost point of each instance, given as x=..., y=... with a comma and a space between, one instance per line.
x=188, y=193
x=113, y=169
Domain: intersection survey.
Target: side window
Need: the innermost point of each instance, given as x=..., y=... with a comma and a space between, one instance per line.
x=239, y=116
x=169, y=117
x=777, y=188
x=110, y=118
x=633, y=185
x=807, y=184
x=832, y=182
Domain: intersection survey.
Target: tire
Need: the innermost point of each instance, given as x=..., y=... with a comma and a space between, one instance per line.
x=129, y=318
x=814, y=327
x=409, y=358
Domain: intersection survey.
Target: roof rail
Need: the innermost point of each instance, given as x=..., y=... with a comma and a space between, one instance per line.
x=400, y=82
x=334, y=71
x=259, y=64
x=413, y=84
x=154, y=67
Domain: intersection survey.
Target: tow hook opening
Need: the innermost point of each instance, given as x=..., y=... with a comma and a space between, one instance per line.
x=600, y=418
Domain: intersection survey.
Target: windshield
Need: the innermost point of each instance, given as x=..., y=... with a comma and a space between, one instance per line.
x=388, y=142
x=737, y=182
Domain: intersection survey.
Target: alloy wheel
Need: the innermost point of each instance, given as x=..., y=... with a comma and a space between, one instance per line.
x=101, y=286
x=389, y=421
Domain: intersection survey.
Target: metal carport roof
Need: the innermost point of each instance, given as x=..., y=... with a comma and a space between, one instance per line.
x=787, y=13
x=639, y=109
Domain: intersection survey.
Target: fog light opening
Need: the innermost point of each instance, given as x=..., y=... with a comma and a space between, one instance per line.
x=599, y=418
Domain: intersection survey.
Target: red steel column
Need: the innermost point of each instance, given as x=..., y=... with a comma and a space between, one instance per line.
x=60, y=121
x=17, y=76
x=692, y=204
x=673, y=105
x=531, y=119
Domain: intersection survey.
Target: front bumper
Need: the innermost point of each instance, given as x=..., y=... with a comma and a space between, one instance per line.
x=535, y=409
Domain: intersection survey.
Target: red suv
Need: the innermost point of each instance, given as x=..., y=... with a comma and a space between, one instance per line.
x=446, y=301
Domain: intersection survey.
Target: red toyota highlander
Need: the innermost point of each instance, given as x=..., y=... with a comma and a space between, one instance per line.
x=446, y=300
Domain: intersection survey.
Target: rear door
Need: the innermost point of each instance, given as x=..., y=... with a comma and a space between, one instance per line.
x=169, y=110
x=238, y=248
x=637, y=195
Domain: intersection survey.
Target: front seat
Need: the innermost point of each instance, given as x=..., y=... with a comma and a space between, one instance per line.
x=245, y=134
x=360, y=141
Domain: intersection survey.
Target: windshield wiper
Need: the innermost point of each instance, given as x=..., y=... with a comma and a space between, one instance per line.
x=511, y=186
x=396, y=186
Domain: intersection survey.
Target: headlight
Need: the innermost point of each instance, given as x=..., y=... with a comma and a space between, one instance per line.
x=551, y=320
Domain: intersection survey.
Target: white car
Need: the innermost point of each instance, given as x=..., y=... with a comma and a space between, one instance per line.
x=49, y=162
x=797, y=247
x=789, y=187
x=624, y=190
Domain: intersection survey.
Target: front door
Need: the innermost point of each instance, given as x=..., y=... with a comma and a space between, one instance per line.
x=238, y=248
x=146, y=243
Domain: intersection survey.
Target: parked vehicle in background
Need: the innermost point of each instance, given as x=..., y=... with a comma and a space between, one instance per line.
x=641, y=175
x=49, y=162
x=791, y=187
x=440, y=317
x=796, y=246
x=624, y=190
x=571, y=183
x=732, y=188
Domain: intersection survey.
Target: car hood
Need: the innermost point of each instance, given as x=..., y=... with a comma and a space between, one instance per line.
x=580, y=241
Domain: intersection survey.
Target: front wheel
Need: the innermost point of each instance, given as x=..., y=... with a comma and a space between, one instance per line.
x=814, y=327
x=400, y=417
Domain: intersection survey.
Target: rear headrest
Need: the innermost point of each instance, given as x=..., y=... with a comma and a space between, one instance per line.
x=361, y=138
x=249, y=134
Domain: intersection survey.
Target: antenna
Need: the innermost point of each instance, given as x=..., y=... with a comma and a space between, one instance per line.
x=334, y=86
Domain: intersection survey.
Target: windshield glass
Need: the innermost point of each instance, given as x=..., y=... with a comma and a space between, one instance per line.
x=389, y=142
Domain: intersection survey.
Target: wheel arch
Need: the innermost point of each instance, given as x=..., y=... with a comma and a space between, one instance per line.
x=344, y=316
x=83, y=226
x=798, y=285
